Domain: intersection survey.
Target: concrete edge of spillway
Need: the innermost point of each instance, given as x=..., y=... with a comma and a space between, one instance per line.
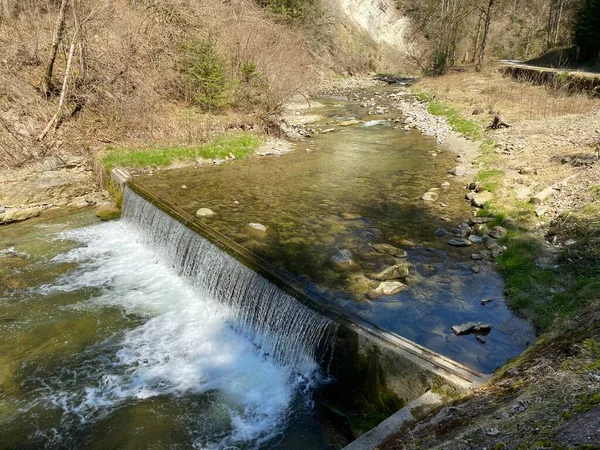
x=414, y=355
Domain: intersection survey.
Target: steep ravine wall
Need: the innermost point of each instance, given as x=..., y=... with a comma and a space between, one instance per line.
x=379, y=19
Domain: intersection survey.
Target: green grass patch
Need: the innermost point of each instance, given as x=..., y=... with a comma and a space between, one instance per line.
x=238, y=145
x=459, y=124
x=491, y=179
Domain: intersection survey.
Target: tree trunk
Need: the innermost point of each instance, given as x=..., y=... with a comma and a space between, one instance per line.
x=558, y=19
x=477, y=36
x=486, y=29
x=63, y=93
x=56, y=38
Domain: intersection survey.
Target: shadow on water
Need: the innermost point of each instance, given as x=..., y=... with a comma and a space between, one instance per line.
x=353, y=188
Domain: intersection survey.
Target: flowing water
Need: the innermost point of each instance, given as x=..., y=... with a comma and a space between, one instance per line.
x=129, y=335
x=352, y=188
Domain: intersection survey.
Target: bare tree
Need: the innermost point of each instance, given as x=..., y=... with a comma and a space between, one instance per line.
x=46, y=86
x=487, y=20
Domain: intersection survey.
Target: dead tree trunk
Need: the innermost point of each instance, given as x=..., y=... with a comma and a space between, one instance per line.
x=46, y=86
x=486, y=28
x=63, y=93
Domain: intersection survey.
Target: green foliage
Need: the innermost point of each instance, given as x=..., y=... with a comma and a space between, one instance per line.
x=294, y=10
x=491, y=179
x=204, y=75
x=587, y=30
x=239, y=145
x=463, y=126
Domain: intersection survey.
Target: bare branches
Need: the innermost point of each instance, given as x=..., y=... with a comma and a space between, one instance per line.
x=46, y=86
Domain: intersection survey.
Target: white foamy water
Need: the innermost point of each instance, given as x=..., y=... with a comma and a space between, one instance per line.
x=186, y=346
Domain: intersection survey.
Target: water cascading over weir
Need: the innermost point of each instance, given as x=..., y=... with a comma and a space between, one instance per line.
x=292, y=333
x=285, y=315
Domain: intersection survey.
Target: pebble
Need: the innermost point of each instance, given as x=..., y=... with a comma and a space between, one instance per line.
x=440, y=232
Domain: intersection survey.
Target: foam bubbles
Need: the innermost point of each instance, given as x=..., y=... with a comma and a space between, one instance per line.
x=186, y=346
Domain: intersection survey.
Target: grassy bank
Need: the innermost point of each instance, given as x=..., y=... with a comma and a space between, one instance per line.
x=238, y=145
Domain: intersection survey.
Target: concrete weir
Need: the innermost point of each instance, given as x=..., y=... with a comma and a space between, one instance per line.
x=364, y=358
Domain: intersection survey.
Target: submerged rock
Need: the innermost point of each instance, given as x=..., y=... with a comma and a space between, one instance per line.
x=341, y=261
x=351, y=216
x=205, y=212
x=387, y=288
x=430, y=196
x=258, y=227
x=108, y=212
x=472, y=327
x=391, y=273
x=440, y=232
x=390, y=250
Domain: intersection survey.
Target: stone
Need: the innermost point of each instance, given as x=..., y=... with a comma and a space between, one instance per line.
x=480, y=220
x=351, y=216
x=479, y=339
x=205, y=212
x=390, y=250
x=497, y=232
x=341, y=261
x=19, y=214
x=459, y=171
x=346, y=123
x=430, y=196
x=108, y=212
x=387, y=288
x=481, y=198
x=440, y=232
x=475, y=268
x=459, y=242
x=541, y=211
x=477, y=111
x=258, y=227
x=445, y=185
x=472, y=327
x=476, y=256
x=391, y=273
x=184, y=187
x=327, y=130
x=475, y=239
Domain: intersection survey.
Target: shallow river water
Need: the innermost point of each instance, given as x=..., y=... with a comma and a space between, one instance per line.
x=355, y=187
x=103, y=344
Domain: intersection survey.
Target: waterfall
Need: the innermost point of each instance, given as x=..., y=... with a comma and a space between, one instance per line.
x=284, y=328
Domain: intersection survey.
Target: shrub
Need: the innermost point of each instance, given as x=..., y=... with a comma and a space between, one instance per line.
x=205, y=78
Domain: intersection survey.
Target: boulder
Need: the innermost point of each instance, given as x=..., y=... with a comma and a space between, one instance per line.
x=108, y=212
x=390, y=250
x=387, y=288
x=391, y=273
x=472, y=327
x=481, y=198
x=205, y=212
x=475, y=268
x=19, y=214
